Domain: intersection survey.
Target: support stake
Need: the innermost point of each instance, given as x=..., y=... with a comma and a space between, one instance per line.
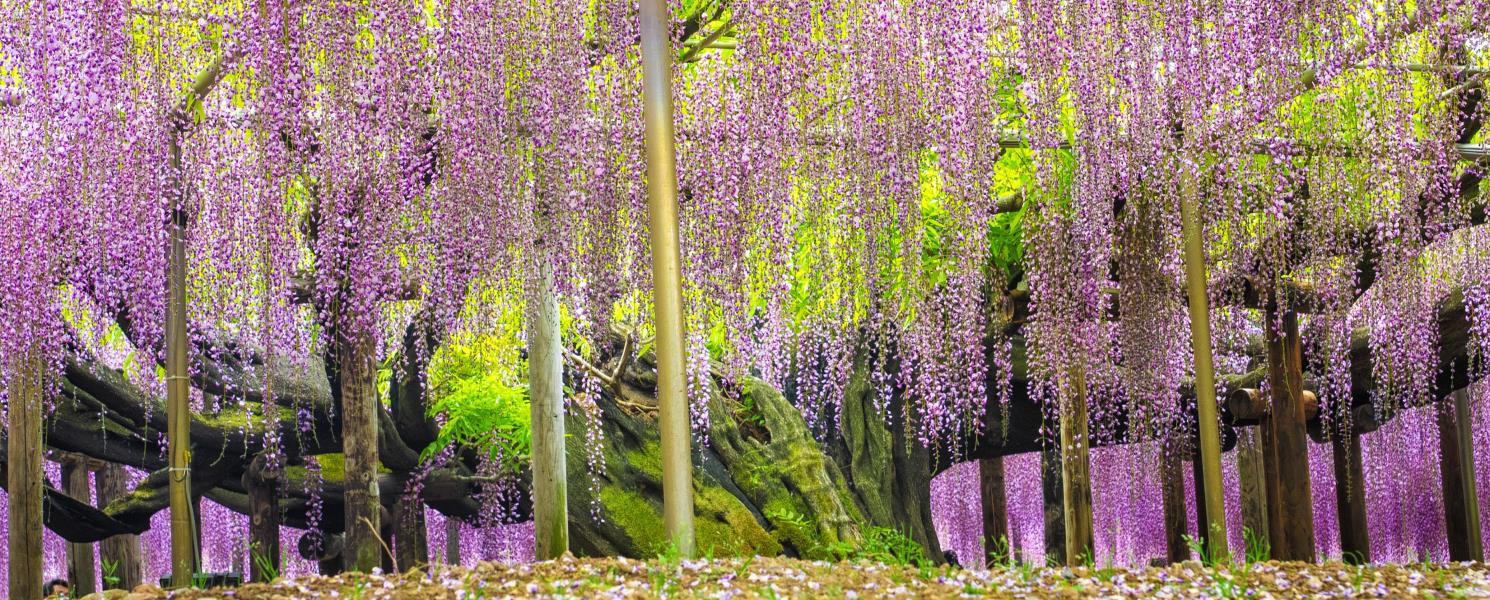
x=1350, y=496
x=24, y=474
x=1209, y=456
x=997, y=548
x=667, y=295
x=1076, y=476
x=546, y=391
x=1456, y=468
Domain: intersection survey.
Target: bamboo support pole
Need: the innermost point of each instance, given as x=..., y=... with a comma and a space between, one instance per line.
x=178, y=391
x=1209, y=456
x=667, y=296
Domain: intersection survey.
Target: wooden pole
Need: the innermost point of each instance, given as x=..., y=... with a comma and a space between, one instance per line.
x=24, y=474
x=1456, y=470
x=546, y=391
x=178, y=390
x=1292, y=534
x=667, y=295
x=1209, y=457
x=1463, y=417
x=1252, y=473
x=1350, y=496
x=363, y=548
x=121, y=553
x=82, y=569
x=263, y=520
x=1050, y=494
x=996, y=545
x=327, y=549
x=1076, y=479
x=452, y=541
x=410, y=538
x=1176, y=522
x=1202, y=534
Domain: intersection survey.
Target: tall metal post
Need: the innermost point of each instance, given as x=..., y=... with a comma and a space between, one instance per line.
x=667, y=295
x=1205, y=371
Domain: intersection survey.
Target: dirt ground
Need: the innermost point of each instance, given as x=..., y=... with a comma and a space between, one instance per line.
x=773, y=578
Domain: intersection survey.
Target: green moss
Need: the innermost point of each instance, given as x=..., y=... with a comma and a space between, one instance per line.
x=790, y=526
x=647, y=459
x=727, y=527
x=723, y=525
x=239, y=419
x=333, y=468
x=641, y=521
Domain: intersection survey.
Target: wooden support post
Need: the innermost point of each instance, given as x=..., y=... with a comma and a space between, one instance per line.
x=452, y=541
x=1203, y=534
x=1076, y=477
x=1176, y=522
x=996, y=545
x=1050, y=493
x=121, y=553
x=82, y=570
x=1208, y=456
x=667, y=295
x=1292, y=519
x=410, y=538
x=359, y=432
x=184, y=541
x=1456, y=469
x=1350, y=497
x=262, y=485
x=24, y=475
x=386, y=535
x=546, y=391
x=326, y=549
x=1253, y=483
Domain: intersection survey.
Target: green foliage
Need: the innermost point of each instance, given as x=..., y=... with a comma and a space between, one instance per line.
x=1004, y=550
x=890, y=546
x=1257, y=547
x=265, y=564
x=879, y=544
x=1198, y=547
x=483, y=408
x=111, y=577
x=749, y=413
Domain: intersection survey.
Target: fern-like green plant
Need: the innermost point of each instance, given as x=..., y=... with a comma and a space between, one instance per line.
x=111, y=577
x=482, y=408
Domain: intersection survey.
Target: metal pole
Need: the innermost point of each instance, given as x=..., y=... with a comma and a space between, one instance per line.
x=667, y=295
x=1205, y=373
